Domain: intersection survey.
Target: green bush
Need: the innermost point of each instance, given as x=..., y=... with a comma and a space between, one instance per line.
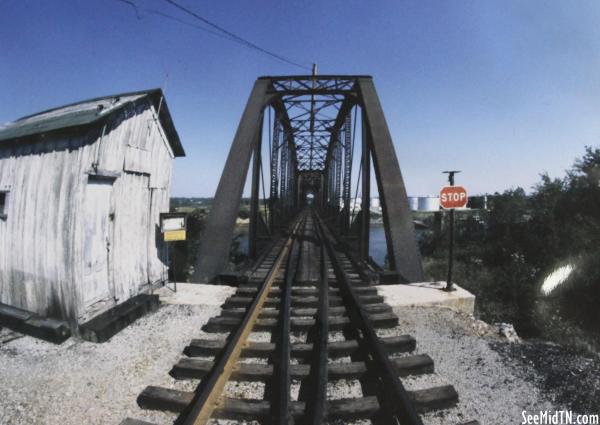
x=504, y=256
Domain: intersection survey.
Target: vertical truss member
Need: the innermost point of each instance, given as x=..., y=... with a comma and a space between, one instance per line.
x=275, y=147
x=312, y=129
x=348, y=157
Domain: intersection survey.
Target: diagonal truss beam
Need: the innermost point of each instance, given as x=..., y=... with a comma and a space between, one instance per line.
x=215, y=242
x=310, y=152
x=403, y=252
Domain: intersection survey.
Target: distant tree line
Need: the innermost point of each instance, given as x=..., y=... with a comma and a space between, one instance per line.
x=183, y=254
x=505, y=253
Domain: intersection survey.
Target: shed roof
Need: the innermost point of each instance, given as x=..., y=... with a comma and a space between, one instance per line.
x=89, y=112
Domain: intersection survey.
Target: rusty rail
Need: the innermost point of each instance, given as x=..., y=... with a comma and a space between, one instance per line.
x=393, y=393
x=207, y=397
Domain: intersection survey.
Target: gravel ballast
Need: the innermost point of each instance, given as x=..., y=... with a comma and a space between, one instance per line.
x=491, y=390
x=81, y=382
x=85, y=383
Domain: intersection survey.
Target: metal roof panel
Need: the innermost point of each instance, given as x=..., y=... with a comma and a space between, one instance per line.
x=88, y=112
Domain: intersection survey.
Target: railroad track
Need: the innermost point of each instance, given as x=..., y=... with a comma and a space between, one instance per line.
x=318, y=323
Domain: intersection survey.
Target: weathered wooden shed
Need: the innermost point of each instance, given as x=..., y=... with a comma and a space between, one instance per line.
x=81, y=189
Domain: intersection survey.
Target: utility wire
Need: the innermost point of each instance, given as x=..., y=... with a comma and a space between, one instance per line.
x=235, y=37
x=181, y=21
x=132, y=4
x=140, y=16
x=222, y=32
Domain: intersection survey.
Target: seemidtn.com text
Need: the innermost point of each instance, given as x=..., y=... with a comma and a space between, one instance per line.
x=557, y=417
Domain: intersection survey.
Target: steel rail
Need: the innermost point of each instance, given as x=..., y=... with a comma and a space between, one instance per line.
x=317, y=405
x=280, y=409
x=393, y=393
x=208, y=395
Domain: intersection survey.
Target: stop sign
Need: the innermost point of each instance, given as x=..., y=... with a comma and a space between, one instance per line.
x=453, y=197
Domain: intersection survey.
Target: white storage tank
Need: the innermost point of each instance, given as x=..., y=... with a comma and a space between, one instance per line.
x=413, y=203
x=429, y=203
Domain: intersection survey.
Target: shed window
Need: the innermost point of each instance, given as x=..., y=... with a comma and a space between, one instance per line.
x=3, y=202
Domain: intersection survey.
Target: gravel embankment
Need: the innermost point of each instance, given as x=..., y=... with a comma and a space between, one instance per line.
x=568, y=377
x=84, y=383
x=491, y=389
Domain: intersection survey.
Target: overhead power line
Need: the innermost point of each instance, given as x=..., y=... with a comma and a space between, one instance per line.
x=235, y=37
x=189, y=24
x=220, y=31
x=132, y=4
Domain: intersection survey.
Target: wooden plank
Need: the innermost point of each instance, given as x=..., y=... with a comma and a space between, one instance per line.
x=343, y=409
x=309, y=272
x=230, y=311
x=371, y=299
x=301, y=301
x=241, y=410
x=435, y=398
x=212, y=347
x=9, y=314
x=131, y=421
x=413, y=365
x=352, y=408
x=398, y=344
x=192, y=368
x=383, y=320
x=166, y=399
x=102, y=327
x=29, y=323
x=297, y=301
x=245, y=291
x=227, y=324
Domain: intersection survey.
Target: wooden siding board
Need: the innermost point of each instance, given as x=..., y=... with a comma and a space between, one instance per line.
x=162, y=154
x=129, y=256
x=157, y=253
x=149, y=263
x=41, y=240
x=34, y=232
x=110, y=149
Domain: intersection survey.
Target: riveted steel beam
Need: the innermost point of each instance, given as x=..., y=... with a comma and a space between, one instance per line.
x=215, y=241
x=313, y=134
x=403, y=252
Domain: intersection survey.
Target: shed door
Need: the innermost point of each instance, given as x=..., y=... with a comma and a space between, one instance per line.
x=97, y=241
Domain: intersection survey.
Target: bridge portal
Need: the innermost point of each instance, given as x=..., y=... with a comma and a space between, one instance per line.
x=315, y=140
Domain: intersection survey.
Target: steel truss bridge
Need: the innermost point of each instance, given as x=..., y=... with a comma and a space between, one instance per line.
x=307, y=299
x=319, y=139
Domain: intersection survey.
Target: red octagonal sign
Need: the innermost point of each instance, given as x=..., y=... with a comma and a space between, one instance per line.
x=453, y=197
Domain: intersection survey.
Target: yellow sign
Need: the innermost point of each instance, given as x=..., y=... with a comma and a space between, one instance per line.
x=174, y=235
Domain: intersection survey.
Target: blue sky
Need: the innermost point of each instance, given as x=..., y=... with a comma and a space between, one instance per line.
x=501, y=90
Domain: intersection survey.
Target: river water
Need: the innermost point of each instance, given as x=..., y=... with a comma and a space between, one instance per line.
x=377, y=245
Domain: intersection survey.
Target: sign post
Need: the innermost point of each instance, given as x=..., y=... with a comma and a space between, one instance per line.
x=173, y=226
x=452, y=197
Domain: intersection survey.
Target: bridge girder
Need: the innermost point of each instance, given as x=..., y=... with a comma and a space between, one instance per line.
x=312, y=135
